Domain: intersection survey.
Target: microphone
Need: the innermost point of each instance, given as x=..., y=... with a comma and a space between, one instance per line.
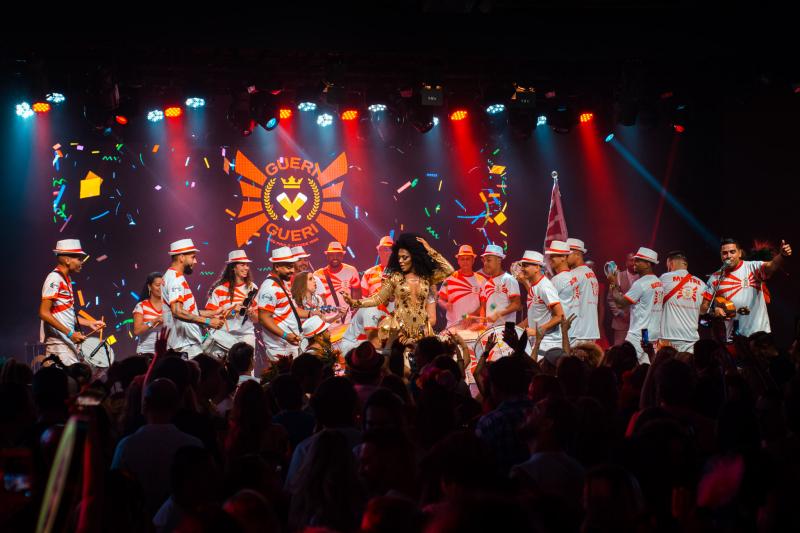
x=554, y=174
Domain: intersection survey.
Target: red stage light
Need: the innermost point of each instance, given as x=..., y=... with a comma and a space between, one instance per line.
x=173, y=112
x=679, y=128
x=121, y=119
x=285, y=113
x=40, y=107
x=458, y=114
x=586, y=117
x=349, y=114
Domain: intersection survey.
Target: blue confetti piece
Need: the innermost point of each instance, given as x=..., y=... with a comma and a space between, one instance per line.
x=135, y=296
x=58, y=197
x=101, y=215
x=391, y=234
x=356, y=212
x=269, y=240
x=123, y=282
x=351, y=252
x=459, y=204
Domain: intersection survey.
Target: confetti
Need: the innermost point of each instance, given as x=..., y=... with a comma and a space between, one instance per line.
x=64, y=225
x=90, y=185
x=155, y=148
x=459, y=204
x=405, y=186
x=187, y=161
x=231, y=213
x=205, y=159
x=350, y=251
x=101, y=215
x=187, y=228
x=135, y=296
x=80, y=298
x=157, y=187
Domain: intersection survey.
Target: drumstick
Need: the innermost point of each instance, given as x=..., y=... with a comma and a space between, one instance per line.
x=102, y=319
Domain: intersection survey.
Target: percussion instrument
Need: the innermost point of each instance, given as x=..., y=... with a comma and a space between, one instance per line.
x=501, y=349
x=96, y=352
x=218, y=342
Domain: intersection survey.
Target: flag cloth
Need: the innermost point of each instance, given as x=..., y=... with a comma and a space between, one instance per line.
x=556, y=223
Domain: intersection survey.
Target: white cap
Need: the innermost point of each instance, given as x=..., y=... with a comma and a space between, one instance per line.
x=282, y=255
x=557, y=248
x=299, y=252
x=69, y=247
x=238, y=256
x=532, y=257
x=576, y=245
x=495, y=250
x=647, y=254
x=182, y=246
x=313, y=325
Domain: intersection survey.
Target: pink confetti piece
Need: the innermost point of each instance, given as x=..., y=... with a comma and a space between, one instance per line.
x=101, y=258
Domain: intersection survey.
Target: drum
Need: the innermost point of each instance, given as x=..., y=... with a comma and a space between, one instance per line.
x=218, y=342
x=338, y=332
x=501, y=349
x=469, y=336
x=97, y=353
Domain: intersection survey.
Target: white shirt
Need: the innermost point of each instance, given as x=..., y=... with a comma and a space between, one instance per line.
x=587, y=293
x=496, y=295
x=273, y=299
x=175, y=288
x=682, y=311
x=566, y=285
x=371, y=281
x=464, y=295
x=220, y=298
x=59, y=289
x=364, y=320
x=744, y=286
x=542, y=297
x=147, y=340
x=646, y=297
x=343, y=281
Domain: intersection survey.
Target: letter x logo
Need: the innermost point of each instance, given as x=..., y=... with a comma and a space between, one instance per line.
x=291, y=206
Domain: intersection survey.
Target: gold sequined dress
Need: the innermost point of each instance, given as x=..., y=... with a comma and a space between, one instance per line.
x=410, y=316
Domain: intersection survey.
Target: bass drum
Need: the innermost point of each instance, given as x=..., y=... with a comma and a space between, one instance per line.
x=218, y=342
x=501, y=349
x=96, y=353
x=469, y=336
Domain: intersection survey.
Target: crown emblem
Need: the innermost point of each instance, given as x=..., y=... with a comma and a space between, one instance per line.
x=291, y=183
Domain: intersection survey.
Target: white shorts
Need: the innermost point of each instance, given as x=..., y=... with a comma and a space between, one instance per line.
x=681, y=346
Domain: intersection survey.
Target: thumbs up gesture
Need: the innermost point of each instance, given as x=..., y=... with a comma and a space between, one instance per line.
x=786, y=249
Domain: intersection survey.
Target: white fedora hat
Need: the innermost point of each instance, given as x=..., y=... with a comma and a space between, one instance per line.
x=182, y=246
x=576, y=245
x=238, y=256
x=283, y=255
x=532, y=257
x=314, y=326
x=557, y=248
x=299, y=252
x=647, y=254
x=69, y=247
x=495, y=250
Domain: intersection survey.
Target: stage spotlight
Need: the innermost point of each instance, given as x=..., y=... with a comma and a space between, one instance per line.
x=349, y=114
x=173, y=112
x=121, y=119
x=458, y=114
x=284, y=113
x=586, y=117
x=24, y=110
x=55, y=98
x=679, y=128
x=609, y=137
x=435, y=121
x=541, y=120
x=495, y=109
x=431, y=95
x=195, y=102
x=324, y=120
x=40, y=107
x=376, y=108
x=264, y=109
x=155, y=115
x=306, y=106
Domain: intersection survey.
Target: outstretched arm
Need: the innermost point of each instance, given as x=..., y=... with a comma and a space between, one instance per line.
x=772, y=266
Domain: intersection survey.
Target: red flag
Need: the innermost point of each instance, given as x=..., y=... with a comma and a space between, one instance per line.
x=556, y=223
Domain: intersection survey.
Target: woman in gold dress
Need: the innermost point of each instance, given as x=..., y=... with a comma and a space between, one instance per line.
x=414, y=267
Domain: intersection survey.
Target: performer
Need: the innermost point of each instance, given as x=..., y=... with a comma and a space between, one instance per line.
x=564, y=280
x=277, y=312
x=500, y=294
x=147, y=319
x=586, y=326
x=304, y=265
x=364, y=320
x=60, y=323
x=545, y=310
x=316, y=337
x=621, y=315
x=460, y=294
x=685, y=298
x=180, y=315
x=646, y=295
x=228, y=294
x=742, y=282
x=337, y=276
x=412, y=269
x=373, y=276
x=305, y=296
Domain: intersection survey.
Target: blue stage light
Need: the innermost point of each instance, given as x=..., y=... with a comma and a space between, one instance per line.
x=55, y=98
x=609, y=137
x=494, y=109
x=541, y=121
x=324, y=120
x=155, y=115
x=306, y=106
x=24, y=110
x=195, y=102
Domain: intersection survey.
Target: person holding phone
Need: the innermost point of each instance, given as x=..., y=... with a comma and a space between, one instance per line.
x=645, y=298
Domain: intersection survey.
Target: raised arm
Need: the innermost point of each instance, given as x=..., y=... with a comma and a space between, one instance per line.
x=443, y=267
x=772, y=266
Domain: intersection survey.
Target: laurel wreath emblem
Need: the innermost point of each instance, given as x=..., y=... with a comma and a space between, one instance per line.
x=267, y=199
x=315, y=207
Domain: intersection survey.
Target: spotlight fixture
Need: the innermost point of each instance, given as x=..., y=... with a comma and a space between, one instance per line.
x=349, y=114
x=173, y=112
x=24, y=110
x=586, y=117
x=155, y=115
x=458, y=114
x=324, y=120
x=541, y=120
x=306, y=106
x=195, y=103
x=121, y=119
x=41, y=107
x=421, y=117
x=609, y=137
x=55, y=98
x=376, y=108
x=495, y=109
x=285, y=113
x=431, y=95
x=264, y=109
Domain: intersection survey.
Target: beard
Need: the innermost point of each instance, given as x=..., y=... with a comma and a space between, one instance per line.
x=187, y=269
x=284, y=276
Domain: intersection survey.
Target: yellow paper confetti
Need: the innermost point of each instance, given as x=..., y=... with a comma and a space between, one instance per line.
x=497, y=169
x=80, y=297
x=111, y=340
x=155, y=148
x=90, y=185
x=499, y=218
x=86, y=315
x=231, y=213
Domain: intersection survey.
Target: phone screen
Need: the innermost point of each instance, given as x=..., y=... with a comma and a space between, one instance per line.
x=16, y=465
x=510, y=327
x=645, y=335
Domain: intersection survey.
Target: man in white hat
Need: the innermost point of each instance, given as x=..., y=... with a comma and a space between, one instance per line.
x=337, y=276
x=181, y=315
x=621, y=315
x=586, y=327
x=277, y=313
x=500, y=294
x=545, y=310
x=565, y=282
x=373, y=276
x=230, y=292
x=316, y=336
x=60, y=322
x=460, y=293
x=645, y=297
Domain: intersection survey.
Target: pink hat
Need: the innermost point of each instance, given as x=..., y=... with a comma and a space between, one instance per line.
x=334, y=247
x=532, y=257
x=386, y=241
x=69, y=247
x=182, y=246
x=557, y=248
x=465, y=250
x=282, y=255
x=238, y=256
x=647, y=254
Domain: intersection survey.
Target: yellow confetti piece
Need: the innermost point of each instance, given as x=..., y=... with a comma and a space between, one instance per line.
x=489, y=219
x=90, y=185
x=87, y=316
x=111, y=340
x=503, y=233
x=95, y=152
x=155, y=148
x=440, y=185
x=206, y=161
x=256, y=234
x=504, y=207
x=57, y=146
x=497, y=169
x=80, y=297
x=130, y=334
x=231, y=213
x=499, y=218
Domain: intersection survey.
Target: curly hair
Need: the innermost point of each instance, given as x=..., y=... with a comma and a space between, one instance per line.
x=229, y=275
x=422, y=263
